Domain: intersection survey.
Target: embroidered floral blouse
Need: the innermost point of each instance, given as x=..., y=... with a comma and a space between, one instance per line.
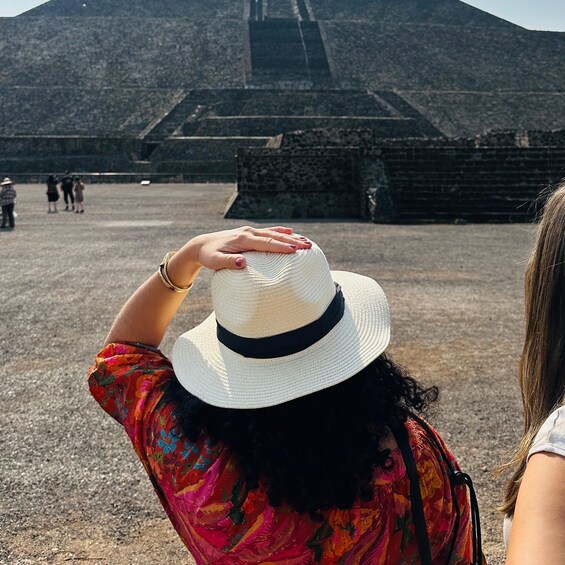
x=201, y=489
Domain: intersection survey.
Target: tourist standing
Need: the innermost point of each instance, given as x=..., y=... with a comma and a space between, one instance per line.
x=8, y=201
x=52, y=194
x=79, y=197
x=67, y=188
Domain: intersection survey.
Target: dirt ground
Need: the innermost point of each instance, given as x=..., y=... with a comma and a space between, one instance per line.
x=71, y=489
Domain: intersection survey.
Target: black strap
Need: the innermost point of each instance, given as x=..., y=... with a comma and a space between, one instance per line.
x=401, y=435
x=286, y=343
x=456, y=478
x=464, y=479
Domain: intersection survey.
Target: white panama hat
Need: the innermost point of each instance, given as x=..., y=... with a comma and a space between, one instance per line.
x=6, y=181
x=278, y=318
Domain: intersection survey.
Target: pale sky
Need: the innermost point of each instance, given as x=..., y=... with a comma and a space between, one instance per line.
x=531, y=14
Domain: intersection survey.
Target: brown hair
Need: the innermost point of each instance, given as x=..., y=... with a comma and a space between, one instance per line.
x=542, y=365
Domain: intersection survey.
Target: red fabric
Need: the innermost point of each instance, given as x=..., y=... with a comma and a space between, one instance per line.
x=203, y=494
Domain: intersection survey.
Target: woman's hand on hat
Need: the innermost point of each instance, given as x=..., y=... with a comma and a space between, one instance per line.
x=224, y=249
x=148, y=312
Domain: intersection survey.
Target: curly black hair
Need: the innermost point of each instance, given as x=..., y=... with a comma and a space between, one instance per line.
x=318, y=451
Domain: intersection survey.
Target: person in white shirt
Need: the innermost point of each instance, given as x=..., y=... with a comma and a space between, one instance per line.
x=534, y=503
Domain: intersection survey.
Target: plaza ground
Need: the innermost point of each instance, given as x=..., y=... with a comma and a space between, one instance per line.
x=71, y=488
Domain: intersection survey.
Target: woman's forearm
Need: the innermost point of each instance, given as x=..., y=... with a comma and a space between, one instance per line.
x=149, y=311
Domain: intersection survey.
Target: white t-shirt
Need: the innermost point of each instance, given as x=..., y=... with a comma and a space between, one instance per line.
x=551, y=439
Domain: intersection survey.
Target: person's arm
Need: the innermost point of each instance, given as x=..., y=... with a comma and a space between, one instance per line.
x=147, y=314
x=538, y=527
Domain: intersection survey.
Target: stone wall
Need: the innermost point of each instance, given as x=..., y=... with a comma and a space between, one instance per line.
x=203, y=149
x=60, y=111
x=333, y=137
x=496, y=177
x=40, y=167
x=48, y=154
x=415, y=57
x=50, y=146
x=297, y=184
x=468, y=113
x=265, y=125
x=294, y=103
x=139, y=8
x=443, y=12
x=214, y=158
x=522, y=138
x=122, y=52
x=184, y=160
x=367, y=139
x=443, y=184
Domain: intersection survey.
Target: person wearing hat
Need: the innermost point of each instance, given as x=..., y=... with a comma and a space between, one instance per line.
x=280, y=431
x=8, y=201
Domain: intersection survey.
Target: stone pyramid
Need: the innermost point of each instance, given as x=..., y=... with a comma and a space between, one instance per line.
x=178, y=81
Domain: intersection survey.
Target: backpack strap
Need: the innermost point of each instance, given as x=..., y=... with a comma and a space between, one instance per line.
x=417, y=507
x=457, y=478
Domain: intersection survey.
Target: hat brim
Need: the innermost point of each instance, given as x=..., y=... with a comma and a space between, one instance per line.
x=220, y=377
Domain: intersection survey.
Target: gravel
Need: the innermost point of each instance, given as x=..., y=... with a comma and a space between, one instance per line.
x=71, y=488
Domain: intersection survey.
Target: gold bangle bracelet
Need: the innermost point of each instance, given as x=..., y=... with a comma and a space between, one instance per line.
x=164, y=275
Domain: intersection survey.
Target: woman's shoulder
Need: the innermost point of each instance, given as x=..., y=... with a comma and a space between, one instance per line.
x=125, y=375
x=551, y=437
x=424, y=437
x=431, y=454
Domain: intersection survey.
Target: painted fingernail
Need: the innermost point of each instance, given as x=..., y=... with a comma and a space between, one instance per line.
x=292, y=246
x=239, y=262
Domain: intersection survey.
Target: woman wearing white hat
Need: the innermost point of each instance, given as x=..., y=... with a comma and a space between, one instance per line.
x=280, y=432
x=8, y=201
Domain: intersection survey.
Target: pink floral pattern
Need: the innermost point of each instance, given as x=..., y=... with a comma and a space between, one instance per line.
x=201, y=490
